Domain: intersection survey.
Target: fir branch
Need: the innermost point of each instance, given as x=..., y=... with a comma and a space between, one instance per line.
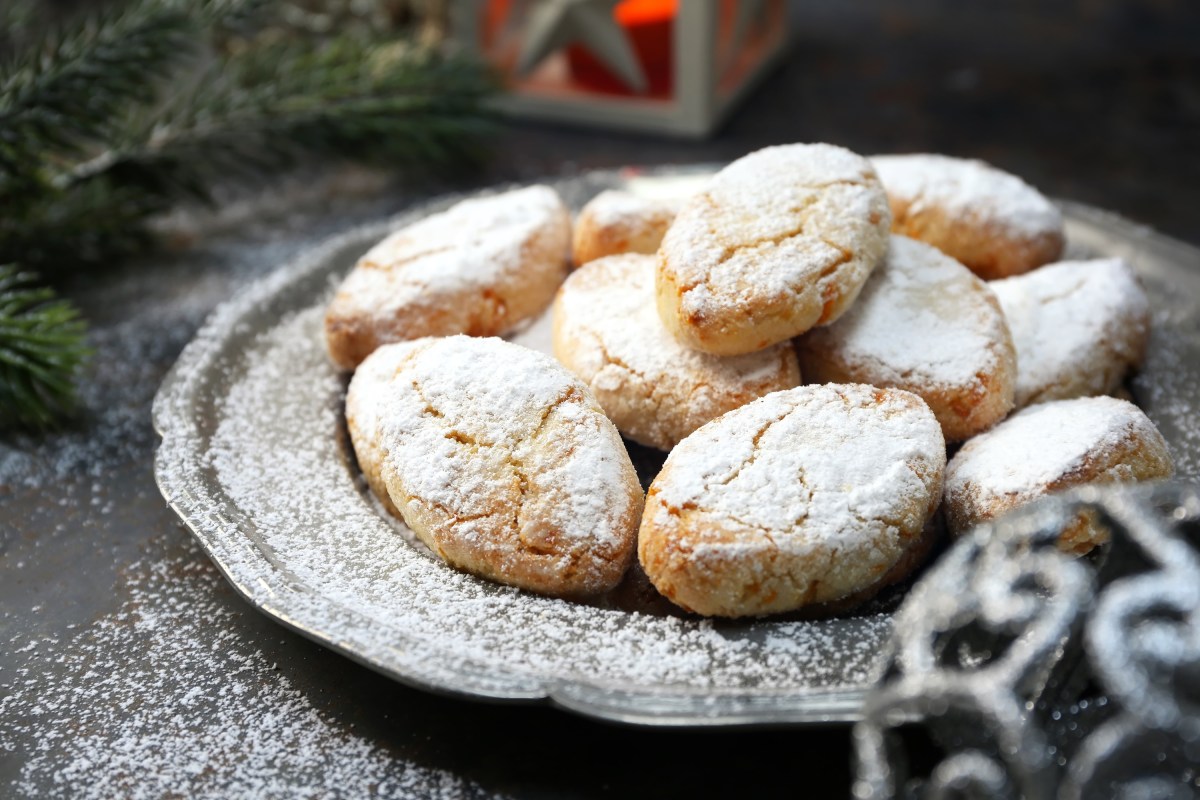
x=96, y=223
x=52, y=223
x=90, y=151
x=229, y=15
x=20, y=22
x=41, y=347
x=267, y=105
x=71, y=88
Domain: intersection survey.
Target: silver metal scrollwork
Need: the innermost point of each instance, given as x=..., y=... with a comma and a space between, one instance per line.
x=1018, y=671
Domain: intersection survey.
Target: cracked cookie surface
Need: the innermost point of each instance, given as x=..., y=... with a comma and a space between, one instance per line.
x=499, y=460
x=801, y=497
x=1079, y=327
x=779, y=241
x=615, y=222
x=481, y=268
x=1049, y=448
x=990, y=220
x=926, y=324
x=656, y=391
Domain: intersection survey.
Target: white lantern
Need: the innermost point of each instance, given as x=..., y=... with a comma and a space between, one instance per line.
x=667, y=66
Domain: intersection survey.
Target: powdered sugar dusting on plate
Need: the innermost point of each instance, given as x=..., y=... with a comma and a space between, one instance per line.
x=197, y=712
x=1168, y=386
x=277, y=455
x=785, y=666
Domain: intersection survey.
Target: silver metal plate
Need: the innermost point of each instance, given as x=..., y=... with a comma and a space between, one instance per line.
x=255, y=461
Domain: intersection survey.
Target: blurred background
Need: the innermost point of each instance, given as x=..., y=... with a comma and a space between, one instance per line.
x=1096, y=100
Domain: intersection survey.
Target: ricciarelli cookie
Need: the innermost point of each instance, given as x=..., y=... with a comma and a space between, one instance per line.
x=607, y=332
x=499, y=460
x=801, y=497
x=1079, y=327
x=780, y=241
x=480, y=268
x=926, y=324
x=615, y=222
x=991, y=221
x=1049, y=448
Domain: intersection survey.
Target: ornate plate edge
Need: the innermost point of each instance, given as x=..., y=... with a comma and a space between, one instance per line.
x=175, y=419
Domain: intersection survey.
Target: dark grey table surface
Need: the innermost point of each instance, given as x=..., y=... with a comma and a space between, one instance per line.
x=128, y=667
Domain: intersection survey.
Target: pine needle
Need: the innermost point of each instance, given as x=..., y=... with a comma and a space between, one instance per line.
x=70, y=88
x=90, y=226
x=41, y=347
x=106, y=122
x=266, y=106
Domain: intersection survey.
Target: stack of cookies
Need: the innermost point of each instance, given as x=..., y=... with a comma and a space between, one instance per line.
x=806, y=336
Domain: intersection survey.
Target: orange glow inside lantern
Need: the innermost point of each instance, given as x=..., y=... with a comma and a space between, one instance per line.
x=650, y=25
x=642, y=12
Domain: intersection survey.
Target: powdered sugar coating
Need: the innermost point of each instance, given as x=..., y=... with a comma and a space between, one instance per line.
x=481, y=267
x=613, y=208
x=279, y=464
x=926, y=324
x=1079, y=326
x=615, y=222
x=1050, y=447
x=499, y=460
x=970, y=188
x=781, y=240
x=201, y=711
x=657, y=391
x=990, y=220
x=802, y=496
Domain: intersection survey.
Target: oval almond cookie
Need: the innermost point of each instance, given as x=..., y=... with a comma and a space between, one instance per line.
x=615, y=222
x=779, y=241
x=499, y=460
x=1079, y=328
x=988, y=219
x=926, y=324
x=801, y=497
x=1048, y=448
x=481, y=268
x=656, y=391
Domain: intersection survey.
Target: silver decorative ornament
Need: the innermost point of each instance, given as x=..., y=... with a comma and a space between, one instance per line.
x=1021, y=671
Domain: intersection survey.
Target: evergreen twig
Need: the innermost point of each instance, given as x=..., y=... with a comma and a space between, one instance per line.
x=90, y=149
x=96, y=224
x=69, y=89
x=41, y=347
x=266, y=106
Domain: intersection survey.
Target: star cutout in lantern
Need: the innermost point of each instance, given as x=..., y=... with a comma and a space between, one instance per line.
x=553, y=24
